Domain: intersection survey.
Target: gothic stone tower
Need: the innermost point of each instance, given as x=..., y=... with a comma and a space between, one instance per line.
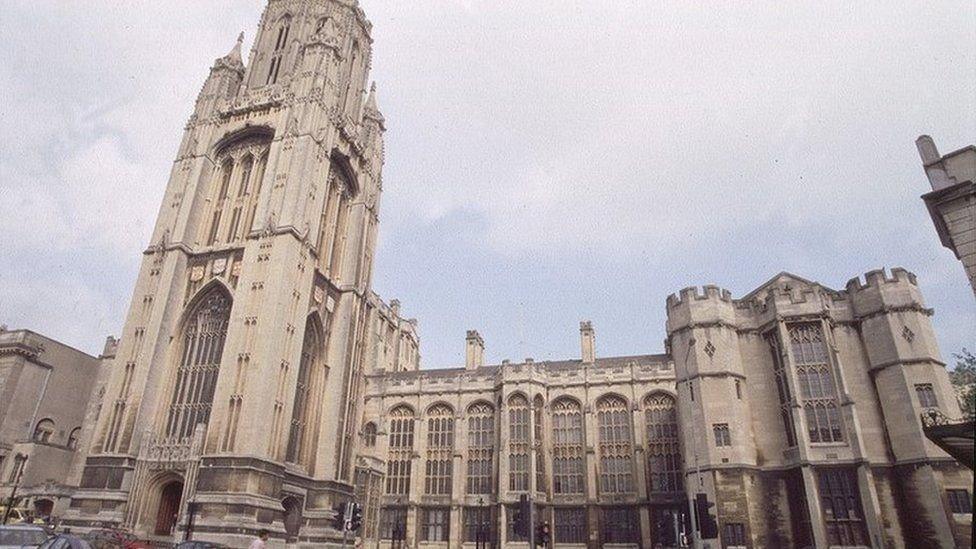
x=240, y=361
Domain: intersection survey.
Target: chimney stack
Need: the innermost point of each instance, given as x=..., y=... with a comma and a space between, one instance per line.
x=587, y=342
x=474, y=353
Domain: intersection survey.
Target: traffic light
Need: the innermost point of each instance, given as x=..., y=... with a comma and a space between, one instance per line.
x=542, y=534
x=356, y=518
x=340, y=519
x=521, y=519
x=707, y=524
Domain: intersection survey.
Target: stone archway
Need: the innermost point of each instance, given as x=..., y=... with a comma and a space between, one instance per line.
x=168, y=510
x=292, y=518
x=43, y=508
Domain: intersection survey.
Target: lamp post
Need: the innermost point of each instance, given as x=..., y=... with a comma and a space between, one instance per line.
x=22, y=458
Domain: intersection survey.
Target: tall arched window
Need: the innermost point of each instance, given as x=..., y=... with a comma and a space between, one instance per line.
x=202, y=345
x=280, y=47
x=43, y=431
x=224, y=174
x=256, y=179
x=481, y=448
x=538, y=409
x=568, y=467
x=663, y=451
x=332, y=223
x=440, y=450
x=616, y=448
x=298, y=447
x=518, y=443
x=401, y=451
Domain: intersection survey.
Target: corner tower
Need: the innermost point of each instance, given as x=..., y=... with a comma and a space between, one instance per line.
x=250, y=304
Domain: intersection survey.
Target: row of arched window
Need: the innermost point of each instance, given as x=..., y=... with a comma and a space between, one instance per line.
x=234, y=194
x=44, y=433
x=614, y=442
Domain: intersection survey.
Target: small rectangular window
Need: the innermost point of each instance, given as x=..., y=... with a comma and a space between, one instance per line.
x=691, y=391
x=722, y=435
x=926, y=395
x=738, y=389
x=959, y=501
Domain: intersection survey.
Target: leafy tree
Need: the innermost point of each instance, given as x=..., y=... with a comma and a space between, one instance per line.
x=963, y=378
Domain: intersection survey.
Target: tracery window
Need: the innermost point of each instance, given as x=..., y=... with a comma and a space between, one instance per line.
x=277, y=55
x=440, y=450
x=43, y=431
x=518, y=443
x=616, y=447
x=663, y=449
x=235, y=190
x=226, y=169
x=481, y=448
x=816, y=382
x=568, y=466
x=309, y=386
x=782, y=388
x=840, y=502
x=538, y=408
x=401, y=451
x=369, y=435
x=723, y=437
x=203, y=337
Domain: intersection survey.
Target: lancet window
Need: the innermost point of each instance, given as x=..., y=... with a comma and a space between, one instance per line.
x=616, y=447
x=568, y=467
x=235, y=191
x=308, y=392
x=333, y=222
x=782, y=387
x=538, y=409
x=280, y=47
x=202, y=345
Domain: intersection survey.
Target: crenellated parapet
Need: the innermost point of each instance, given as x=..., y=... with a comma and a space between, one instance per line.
x=880, y=293
x=694, y=305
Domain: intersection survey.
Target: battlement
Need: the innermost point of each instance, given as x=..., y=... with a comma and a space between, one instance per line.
x=879, y=277
x=708, y=292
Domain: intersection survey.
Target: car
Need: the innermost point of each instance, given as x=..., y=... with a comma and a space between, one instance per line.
x=65, y=541
x=199, y=545
x=15, y=536
x=17, y=515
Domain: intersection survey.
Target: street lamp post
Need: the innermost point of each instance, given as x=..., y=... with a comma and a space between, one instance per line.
x=22, y=458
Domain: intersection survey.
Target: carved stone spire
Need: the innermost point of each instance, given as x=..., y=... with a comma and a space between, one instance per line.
x=371, y=111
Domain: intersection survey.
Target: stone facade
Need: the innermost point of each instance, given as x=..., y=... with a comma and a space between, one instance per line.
x=952, y=202
x=259, y=383
x=777, y=406
x=238, y=378
x=50, y=396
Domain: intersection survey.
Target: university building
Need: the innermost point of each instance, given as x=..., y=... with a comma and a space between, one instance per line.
x=259, y=383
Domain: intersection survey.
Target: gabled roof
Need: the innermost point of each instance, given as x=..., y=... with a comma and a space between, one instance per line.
x=781, y=278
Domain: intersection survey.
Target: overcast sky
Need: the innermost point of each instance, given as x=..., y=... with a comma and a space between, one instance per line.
x=546, y=162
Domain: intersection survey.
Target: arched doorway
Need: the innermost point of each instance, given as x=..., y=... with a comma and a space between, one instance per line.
x=292, y=518
x=43, y=508
x=169, y=508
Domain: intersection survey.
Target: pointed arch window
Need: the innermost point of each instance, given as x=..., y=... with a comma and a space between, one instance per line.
x=202, y=345
x=616, y=448
x=518, y=443
x=481, y=448
x=440, y=451
x=568, y=467
x=308, y=386
x=816, y=382
x=226, y=169
x=43, y=431
x=333, y=221
x=401, y=451
x=278, y=53
x=663, y=450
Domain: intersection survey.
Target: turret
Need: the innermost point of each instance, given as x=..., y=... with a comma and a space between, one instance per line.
x=223, y=83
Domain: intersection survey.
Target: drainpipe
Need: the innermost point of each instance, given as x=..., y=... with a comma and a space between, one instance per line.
x=37, y=406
